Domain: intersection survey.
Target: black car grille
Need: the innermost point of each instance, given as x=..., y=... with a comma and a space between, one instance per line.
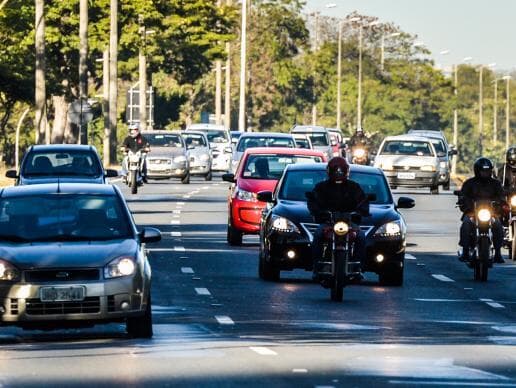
x=90, y=305
x=111, y=303
x=310, y=229
x=61, y=275
x=14, y=307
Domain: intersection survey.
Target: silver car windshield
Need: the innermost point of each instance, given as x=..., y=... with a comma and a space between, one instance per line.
x=215, y=136
x=62, y=217
x=297, y=183
x=161, y=140
x=61, y=163
x=400, y=147
x=195, y=141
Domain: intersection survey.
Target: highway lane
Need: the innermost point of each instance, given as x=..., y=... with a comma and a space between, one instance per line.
x=217, y=324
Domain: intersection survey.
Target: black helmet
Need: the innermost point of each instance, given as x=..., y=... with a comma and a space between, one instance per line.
x=338, y=169
x=483, y=164
x=510, y=157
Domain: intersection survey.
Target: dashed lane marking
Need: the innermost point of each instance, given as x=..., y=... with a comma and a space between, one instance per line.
x=205, y=187
x=180, y=204
x=175, y=222
x=408, y=256
x=224, y=320
x=263, y=351
x=493, y=304
x=186, y=196
x=179, y=249
x=299, y=370
x=202, y=291
x=443, y=278
x=451, y=383
x=175, y=234
x=187, y=270
x=177, y=211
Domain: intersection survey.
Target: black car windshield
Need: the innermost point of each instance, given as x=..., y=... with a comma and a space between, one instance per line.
x=264, y=141
x=62, y=163
x=217, y=136
x=401, y=147
x=296, y=183
x=272, y=166
x=164, y=140
x=63, y=217
x=194, y=141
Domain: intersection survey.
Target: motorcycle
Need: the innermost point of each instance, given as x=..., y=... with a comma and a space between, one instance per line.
x=360, y=156
x=135, y=162
x=336, y=269
x=510, y=227
x=481, y=252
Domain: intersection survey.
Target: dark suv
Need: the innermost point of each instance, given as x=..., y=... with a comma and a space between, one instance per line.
x=63, y=162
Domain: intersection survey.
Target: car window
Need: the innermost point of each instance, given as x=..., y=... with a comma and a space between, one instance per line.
x=62, y=163
x=272, y=166
x=302, y=143
x=401, y=147
x=215, y=136
x=439, y=146
x=192, y=140
x=164, y=140
x=297, y=183
x=318, y=139
x=265, y=141
x=58, y=217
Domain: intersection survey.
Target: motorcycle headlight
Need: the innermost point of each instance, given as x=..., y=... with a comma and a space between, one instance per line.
x=390, y=229
x=246, y=195
x=122, y=266
x=180, y=159
x=341, y=228
x=484, y=215
x=282, y=224
x=513, y=201
x=359, y=153
x=134, y=158
x=428, y=168
x=205, y=157
x=8, y=272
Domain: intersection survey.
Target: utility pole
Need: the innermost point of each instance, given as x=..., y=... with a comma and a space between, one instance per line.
x=83, y=67
x=359, y=98
x=339, y=75
x=218, y=85
x=507, y=111
x=113, y=79
x=480, y=111
x=105, y=105
x=40, y=95
x=455, y=121
x=243, y=65
x=316, y=48
x=227, y=99
x=142, y=69
x=495, y=111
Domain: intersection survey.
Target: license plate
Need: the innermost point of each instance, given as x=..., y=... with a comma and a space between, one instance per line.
x=62, y=294
x=159, y=167
x=406, y=175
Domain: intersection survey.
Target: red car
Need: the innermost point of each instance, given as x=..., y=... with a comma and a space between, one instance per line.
x=259, y=170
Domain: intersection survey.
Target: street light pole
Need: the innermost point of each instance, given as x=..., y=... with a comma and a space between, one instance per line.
x=495, y=111
x=316, y=48
x=227, y=98
x=480, y=110
x=243, y=64
x=339, y=75
x=507, y=111
x=143, y=77
x=218, y=85
x=83, y=66
x=382, y=55
x=113, y=78
x=359, y=97
x=455, y=119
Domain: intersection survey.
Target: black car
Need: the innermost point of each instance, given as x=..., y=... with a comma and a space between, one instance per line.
x=287, y=228
x=64, y=162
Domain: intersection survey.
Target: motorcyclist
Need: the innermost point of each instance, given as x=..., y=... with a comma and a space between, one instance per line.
x=135, y=142
x=359, y=140
x=481, y=187
x=337, y=193
x=507, y=173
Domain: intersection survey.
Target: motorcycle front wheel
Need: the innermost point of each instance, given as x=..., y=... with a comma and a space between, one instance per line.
x=337, y=289
x=482, y=263
x=134, y=182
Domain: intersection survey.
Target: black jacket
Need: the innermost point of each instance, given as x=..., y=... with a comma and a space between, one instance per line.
x=507, y=176
x=359, y=141
x=476, y=189
x=345, y=197
x=135, y=143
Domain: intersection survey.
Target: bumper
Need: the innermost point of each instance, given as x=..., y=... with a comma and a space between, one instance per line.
x=200, y=169
x=222, y=162
x=166, y=171
x=107, y=301
x=420, y=178
x=246, y=216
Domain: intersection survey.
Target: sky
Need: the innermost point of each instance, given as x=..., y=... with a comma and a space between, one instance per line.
x=483, y=30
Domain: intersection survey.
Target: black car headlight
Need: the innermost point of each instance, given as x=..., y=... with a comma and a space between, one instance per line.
x=8, y=272
x=121, y=266
x=282, y=224
x=390, y=229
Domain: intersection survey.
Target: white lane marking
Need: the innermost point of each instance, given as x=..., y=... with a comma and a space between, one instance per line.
x=175, y=222
x=205, y=187
x=175, y=234
x=176, y=216
x=263, y=351
x=300, y=370
x=184, y=257
x=224, y=320
x=408, y=256
x=505, y=329
x=202, y=291
x=179, y=249
x=503, y=340
x=451, y=383
x=111, y=181
x=180, y=203
x=493, y=304
x=324, y=386
x=443, y=278
x=187, y=270
x=186, y=196
x=442, y=300
x=177, y=211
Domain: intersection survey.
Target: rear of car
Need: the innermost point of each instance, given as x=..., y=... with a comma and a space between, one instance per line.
x=409, y=161
x=220, y=144
x=319, y=136
x=259, y=170
x=168, y=157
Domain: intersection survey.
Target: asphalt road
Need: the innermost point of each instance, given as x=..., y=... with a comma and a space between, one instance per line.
x=217, y=324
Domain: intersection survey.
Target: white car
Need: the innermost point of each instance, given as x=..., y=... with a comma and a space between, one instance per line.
x=220, y=144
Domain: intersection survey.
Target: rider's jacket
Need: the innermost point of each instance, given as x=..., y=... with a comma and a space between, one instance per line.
x=480, y=189
x=135, y=143
x=507, y=176
x=347, y=196
x=359, y=141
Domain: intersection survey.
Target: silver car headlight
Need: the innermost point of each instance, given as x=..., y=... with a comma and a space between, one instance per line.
x=282, y=224
x=484, y=215
x=8, y=272
x=121, y=266
x=246, y=195
x=180, y=159
x=390, y=229
x=428, y=168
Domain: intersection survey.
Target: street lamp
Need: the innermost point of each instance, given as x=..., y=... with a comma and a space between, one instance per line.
x=481, y=106
x=243, y=65
x=382, y=58
x=142, y=64
x=507, y=78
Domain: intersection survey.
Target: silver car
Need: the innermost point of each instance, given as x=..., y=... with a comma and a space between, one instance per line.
x=409, y=161
x=71, y=256
x=168, y=157
x=319, y=136
x=199, y=153
x=220, y=144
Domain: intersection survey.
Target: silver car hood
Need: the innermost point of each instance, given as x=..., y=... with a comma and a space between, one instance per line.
x=166, y=152
x=198, y=151
x=77, y=254
x=405, y=160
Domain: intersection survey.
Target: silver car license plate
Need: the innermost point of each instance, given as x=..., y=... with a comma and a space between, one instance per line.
x=406, y=175
x=62, y=294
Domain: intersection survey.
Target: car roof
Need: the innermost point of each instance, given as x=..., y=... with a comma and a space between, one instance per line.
x=205, y=126
x=58, y=188
x=407, y=138
x=200, y=133
x=282, y=151
x=63, y=147
x=308, y=128
x=322, y=166
x=427, y=133
x=266, y=134
x=161, y=132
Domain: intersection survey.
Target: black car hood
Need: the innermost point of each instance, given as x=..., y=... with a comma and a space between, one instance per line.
x=66, y=254
x=297, y=212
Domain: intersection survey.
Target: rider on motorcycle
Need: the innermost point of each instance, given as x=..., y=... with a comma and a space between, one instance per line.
x=507, y=173
x=481, y=187
x=337, y=193
x=135, y=142
x=359, y=140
